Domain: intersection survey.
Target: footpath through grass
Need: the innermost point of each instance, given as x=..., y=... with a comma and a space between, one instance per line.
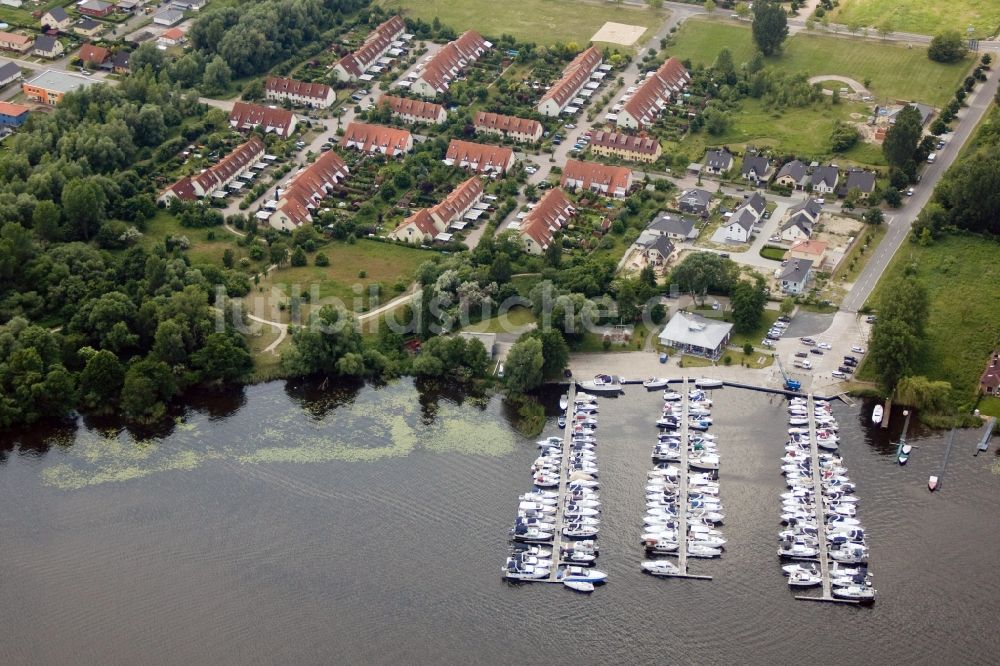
x=926, y=17
x=895, y=71
x=962, y=277
x=539, y=21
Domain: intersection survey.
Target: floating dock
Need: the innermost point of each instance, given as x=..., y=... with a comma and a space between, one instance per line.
x=984, y=443
x=557, y=537
x=824, y=560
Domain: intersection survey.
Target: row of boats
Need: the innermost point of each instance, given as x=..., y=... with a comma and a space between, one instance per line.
x=676, y=497
x=557, y=523
x=824, y=521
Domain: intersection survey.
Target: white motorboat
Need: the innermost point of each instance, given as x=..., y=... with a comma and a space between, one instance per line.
x=526, y=534
x=707, y=383
x=671, y=396
x=804, y=579
x=877, y=414
x=576, y=510
x=655, y=383
x=602, y=385
x=707, y=461
x=538, y=551
x=513, y=570
x=707, y=541
x=662, y=546
x=660, y=567
x=582, y=397
x=577, y=531
x=579, y=586
x=563, y=402
x=581, y=574
x=535, y=506
x=587, y=546
x=550, y=443
x=856, y=592
x=540, y=497
x=849, y=554
x=794, y=551
x=578, y=558
x=532, y=560
x=798, y=421
x=790, y=569
x=695, y=549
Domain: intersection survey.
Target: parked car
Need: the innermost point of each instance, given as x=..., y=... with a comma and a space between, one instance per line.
x=805, y=365
x=871, y=319
x=824, y=345
x=784, y=319
x=808, y=341
x=909, y=192
x=570, y=126
x=852, y=359
x=771, y=335
x=838, y=374
x=767, y=342
x=780, y=324
x=802, y=354
x=816, y=350
x=846, y=369
x=858, y=350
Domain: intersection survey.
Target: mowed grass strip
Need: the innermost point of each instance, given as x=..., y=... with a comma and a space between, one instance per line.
x=925, y=17
x=895, y=71
x=539, y=21
x=962, y=275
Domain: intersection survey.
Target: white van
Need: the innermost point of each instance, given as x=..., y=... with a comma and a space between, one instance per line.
x=931, y=158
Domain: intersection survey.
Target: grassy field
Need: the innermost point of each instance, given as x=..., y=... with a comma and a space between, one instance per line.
x=514, y=318
x=754, y=337
x=989, y=405
x=926, y=17
x=207, y=245
x=961, y=275
x=895, y=71
x=540, y=21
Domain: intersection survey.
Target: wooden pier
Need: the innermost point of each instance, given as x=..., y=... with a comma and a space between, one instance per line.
x=567, y=449
x=984, y=443
x=682, y=494
x=824, y=560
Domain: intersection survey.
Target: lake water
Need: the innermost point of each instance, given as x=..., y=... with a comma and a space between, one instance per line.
x=285, y=524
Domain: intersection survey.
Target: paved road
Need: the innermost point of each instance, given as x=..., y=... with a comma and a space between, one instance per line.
x=902, y=221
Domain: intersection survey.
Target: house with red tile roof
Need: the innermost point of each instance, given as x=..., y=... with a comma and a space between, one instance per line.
x=479, y=157
x=12, y=41
x=448, y=63
x=307, y=189
x=217, y=176
x=549, y=215
x=653, y=95
x=414, y=110
x=171, y=37
x=92, y=54
x=427, y=223
x=374, y=139
x=299, y=93
x=573, y=78
x=353, y=65
x=522, y=130
x=246, y=116
x=989, y=382
x=611, y=181
x=625, y=146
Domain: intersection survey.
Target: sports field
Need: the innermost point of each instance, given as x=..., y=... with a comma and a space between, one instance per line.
x=539, y=21
x=925, y=17
x=894, y=71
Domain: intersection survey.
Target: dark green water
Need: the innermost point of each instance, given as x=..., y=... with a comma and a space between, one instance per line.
x=285, y=524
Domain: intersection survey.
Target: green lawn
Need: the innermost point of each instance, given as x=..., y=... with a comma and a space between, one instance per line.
x=895, y=71
x=773, y=252
x=513, y=319
x=754, y=337
x=207, y=245
x=540, y=21
x=989, y=405
x=926, y=17
x=961, y=274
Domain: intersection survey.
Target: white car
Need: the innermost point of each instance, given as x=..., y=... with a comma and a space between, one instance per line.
x=767, y=343
x=838, y=374
x=858, y=350
x=824, y=345
x=779, y=324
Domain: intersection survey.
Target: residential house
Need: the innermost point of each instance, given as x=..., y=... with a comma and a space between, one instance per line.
x=51, y=86
x=246, y=116
x=694, y=201
x=12, y=41
x=626, y=147
x=189, y=5
x=813, y=250
x=128, y=6
x=448, y=63
x=479, y=157
x=56, y=19
x=693, y=334
x=171, y=37
x=168, y=17
x=718, y=161
x=674, y=227
x=414, y=111
x=121, y=62
x=756, y=203
x=573, y=78
x=653, y=95
x=9, y=72
x=299, y=93
x=377, y=139
x=756, y=169
x=353, y=65
x=611, y=181
x=88, y=27
x=824, y=179
x=306, y=190
x=926, y=112
x=93, y=55
x=47, y=46
x=218, y=176
x=861, y=180
x=989, y=382
x=794, y=276
x=13, y=115
x=801, y=219
x=657, y=249
x=739, y=226
x=793, y=175
x=522, y=130
x=95, y=8
x=542, y=222
x=426, y=223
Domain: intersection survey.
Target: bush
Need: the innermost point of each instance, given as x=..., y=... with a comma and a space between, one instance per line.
x=947, y=47
x=727, y=360
x=321, y=260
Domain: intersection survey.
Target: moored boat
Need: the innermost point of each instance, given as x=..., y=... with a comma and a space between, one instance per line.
x=877, y=414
